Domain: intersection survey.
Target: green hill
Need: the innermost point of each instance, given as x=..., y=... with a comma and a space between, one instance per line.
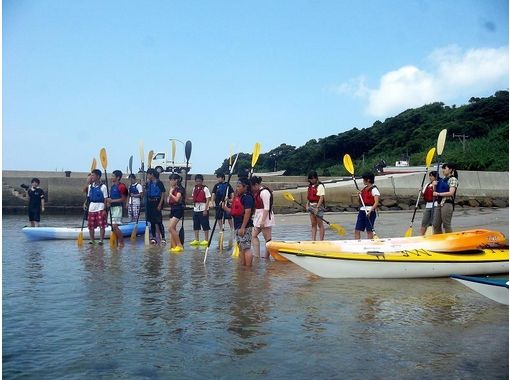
x=410, y=134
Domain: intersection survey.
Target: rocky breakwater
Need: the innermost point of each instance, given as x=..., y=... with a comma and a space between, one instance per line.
x=400, y=191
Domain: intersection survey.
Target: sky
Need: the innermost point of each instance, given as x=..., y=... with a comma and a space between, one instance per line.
x=82, y=75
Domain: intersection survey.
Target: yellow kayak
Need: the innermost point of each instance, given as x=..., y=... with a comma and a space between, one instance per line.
x=460, y=241
x=402, y=264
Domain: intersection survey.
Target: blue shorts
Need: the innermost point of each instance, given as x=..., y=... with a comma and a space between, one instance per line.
x=362, y=222
x=199, y=220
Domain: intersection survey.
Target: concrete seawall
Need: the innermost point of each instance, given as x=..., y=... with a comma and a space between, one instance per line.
x=399, y=191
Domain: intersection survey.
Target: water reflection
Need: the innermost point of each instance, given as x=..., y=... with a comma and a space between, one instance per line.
x=249, y=307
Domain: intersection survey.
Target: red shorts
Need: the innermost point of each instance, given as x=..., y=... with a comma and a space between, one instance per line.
x=97, y=219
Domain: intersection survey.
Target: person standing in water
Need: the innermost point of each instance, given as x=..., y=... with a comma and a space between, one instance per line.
x=315, y=204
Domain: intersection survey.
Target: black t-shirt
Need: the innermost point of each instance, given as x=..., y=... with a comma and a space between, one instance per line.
x=35, y=196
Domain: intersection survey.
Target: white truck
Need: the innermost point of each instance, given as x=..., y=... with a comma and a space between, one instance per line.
x=162, y=162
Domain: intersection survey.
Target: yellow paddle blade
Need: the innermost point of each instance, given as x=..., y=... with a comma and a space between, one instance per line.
x=93, y=166
x=149, y=158
x=349, y=166
x=133, y=233
x=235, y=253
x=141, y=151
x=80, y=239
x=103, y=158
x=146, y=237
x=429, y=231
x=287, y=195
x=340, y=230
x=409, y=232
x=255, y=155
x=113, y=239
x=430, y=157
x=173, y=151
x=441, y=139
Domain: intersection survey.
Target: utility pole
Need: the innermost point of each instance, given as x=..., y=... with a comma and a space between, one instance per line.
x=462, y=139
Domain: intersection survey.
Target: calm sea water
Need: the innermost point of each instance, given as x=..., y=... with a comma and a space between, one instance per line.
x=144, y=313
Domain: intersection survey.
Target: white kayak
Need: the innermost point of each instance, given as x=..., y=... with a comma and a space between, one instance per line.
x=71, y=233
x=495, y=289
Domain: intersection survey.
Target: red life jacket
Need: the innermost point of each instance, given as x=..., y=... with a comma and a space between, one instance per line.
x=259, y=204
x=237, y=208
x=366, y=195
x=258, y=199
x=427, y=194
x=312, y=193
x=199, y=194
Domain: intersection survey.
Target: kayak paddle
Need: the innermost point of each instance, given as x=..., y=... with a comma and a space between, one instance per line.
x=441, y=140
x=104, y=164
x=335, y=227
x=428, y=161
x=349, y=166
x=146, y=238
x=216, y=220
x=187, y=152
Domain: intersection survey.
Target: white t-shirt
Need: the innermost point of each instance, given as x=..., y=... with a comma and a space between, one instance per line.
x=200, y=206
x=136, y=200
x=97, y=206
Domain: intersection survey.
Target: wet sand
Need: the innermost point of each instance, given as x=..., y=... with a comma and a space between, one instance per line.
x=395, y=223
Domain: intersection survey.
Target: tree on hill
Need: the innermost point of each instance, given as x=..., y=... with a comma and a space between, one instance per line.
x=412, y=132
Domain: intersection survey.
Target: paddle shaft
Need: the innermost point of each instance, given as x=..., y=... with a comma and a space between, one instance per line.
x=318, y=216
x=419, y=195
x=187, y=152
x=226, y=196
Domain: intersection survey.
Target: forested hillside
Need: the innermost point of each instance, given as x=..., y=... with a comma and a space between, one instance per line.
x=484, y=122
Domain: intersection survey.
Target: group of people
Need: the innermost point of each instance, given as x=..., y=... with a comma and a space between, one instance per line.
x=247, y=209
x=439, y=196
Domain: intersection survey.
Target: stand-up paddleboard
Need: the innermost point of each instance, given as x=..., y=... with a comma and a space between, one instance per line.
x=70, y=233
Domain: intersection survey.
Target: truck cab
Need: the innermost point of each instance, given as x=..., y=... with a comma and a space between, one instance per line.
x=162, y=162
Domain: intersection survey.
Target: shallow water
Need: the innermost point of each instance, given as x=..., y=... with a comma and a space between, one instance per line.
x=95, y=312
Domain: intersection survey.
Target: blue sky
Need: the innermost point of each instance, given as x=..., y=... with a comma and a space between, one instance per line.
x=82, y=75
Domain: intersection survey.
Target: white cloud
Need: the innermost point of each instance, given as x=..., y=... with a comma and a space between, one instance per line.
x=452, y=74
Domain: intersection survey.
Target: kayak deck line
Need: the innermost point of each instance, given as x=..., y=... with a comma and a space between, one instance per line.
x=413, y=256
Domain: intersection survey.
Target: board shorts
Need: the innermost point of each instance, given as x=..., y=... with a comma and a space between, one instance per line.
x=220, y=214
x=116, y=213
x=176, y=213
x=320, y=213
x=134, y=211
x=153, y=214
x=96, y=219
x=34, y=215
x=257, y=218
x=362, y=222
x=427, y=217
x=244, y=242
x=200, y=220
